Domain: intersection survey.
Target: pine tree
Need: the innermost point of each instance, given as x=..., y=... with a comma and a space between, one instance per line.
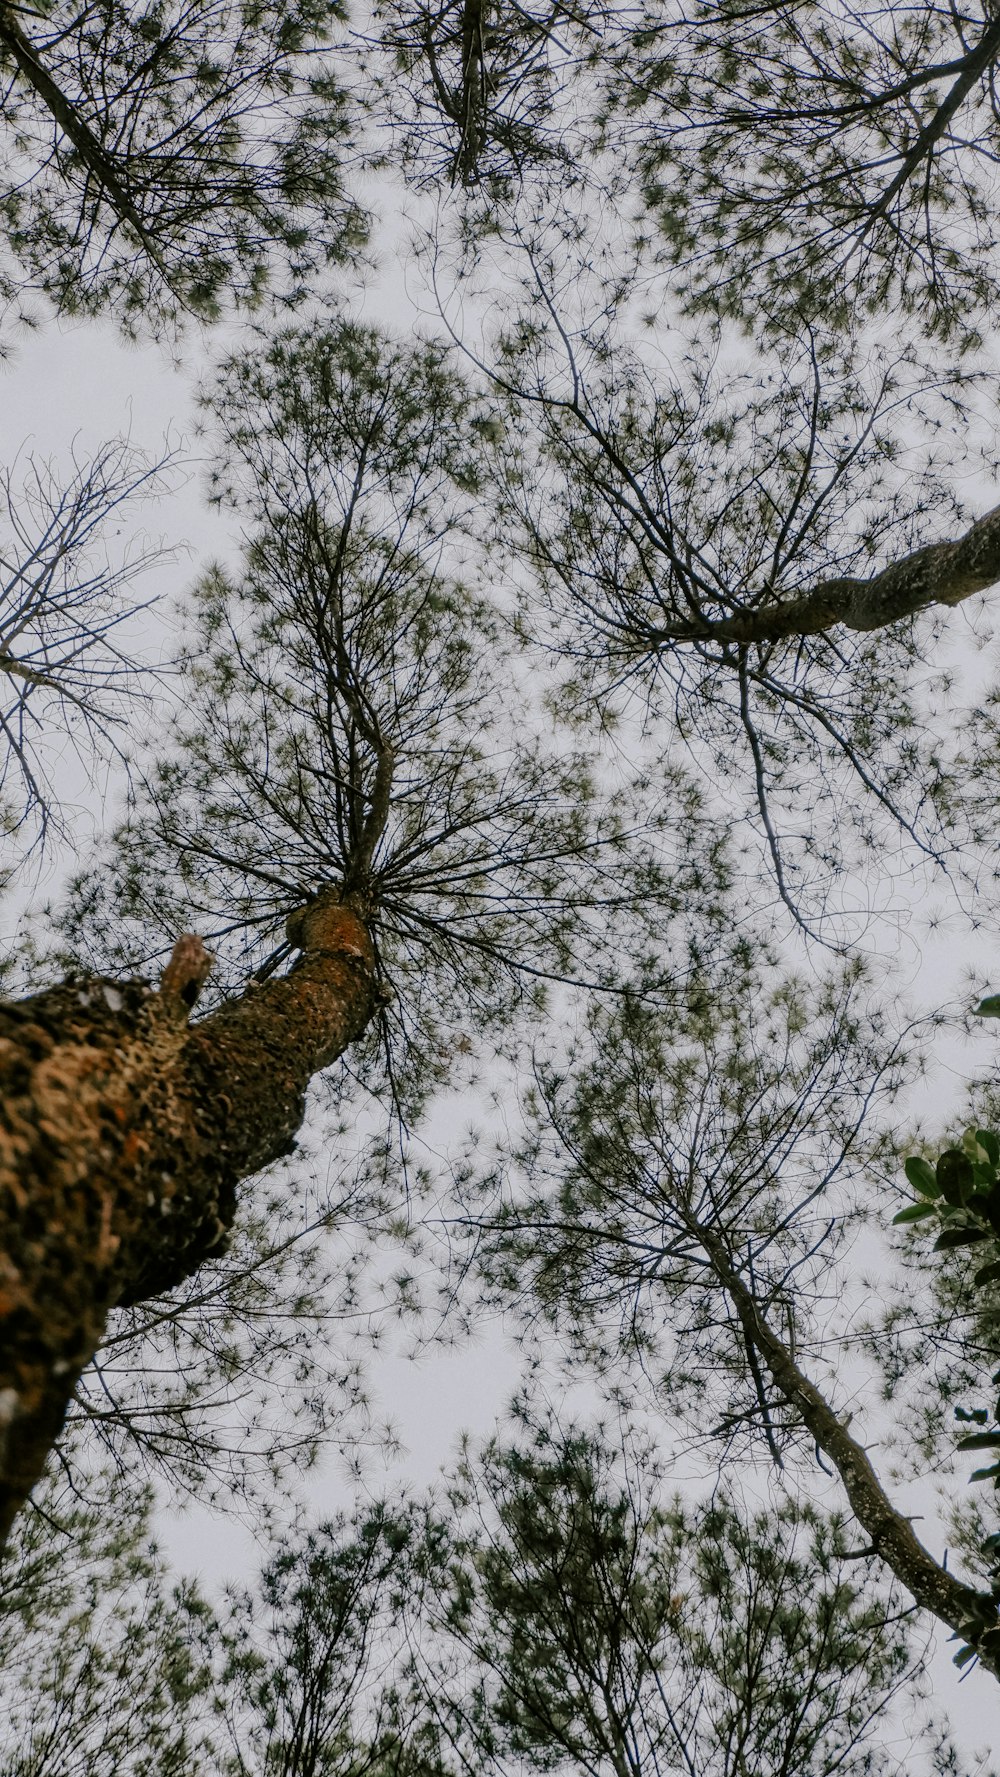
x=168, y=160
x=348, y=779
x=685, y=489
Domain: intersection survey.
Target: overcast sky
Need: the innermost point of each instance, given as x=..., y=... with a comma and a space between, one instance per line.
x=77, y=386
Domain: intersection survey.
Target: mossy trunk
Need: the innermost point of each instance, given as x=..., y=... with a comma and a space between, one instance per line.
x=124, y=1132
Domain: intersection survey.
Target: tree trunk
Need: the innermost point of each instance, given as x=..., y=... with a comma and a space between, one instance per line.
x=124, y=1131
x=971, y=1614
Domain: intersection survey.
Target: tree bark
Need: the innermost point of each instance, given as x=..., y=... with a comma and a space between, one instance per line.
x=124, y=1131
x=473, y=99
x=971, y=1614
x=937, y=574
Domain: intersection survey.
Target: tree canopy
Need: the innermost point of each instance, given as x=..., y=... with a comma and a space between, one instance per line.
x=170, y=158
x=497, y=920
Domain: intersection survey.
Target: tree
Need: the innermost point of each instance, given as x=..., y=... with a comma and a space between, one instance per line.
x=605, y=1629
x=64, y=603
x=817, y=158
x=687, y=1186
x=790, y=165
x=164, y=159
x=328, y=770
x=550, y=1611
x=315, y=1682
x=472, y=90
x=751, y=553
x=133, y=1129
x=103, y=1667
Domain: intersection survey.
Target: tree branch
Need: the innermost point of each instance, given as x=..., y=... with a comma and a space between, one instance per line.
x=978, y=60
x=937, y=574
x=65, y=114
x=971, y=1614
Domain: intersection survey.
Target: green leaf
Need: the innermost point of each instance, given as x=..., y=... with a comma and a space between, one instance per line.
x=964, y=1655
x=960, y=1237
x=955, y=1175
x=990, y=1142
x=914, y=1212
x=985, y=1474
x=977, y=1415
x=989, y=1007
x=988, y=1273
x=921, y=1176
x=980, y=1440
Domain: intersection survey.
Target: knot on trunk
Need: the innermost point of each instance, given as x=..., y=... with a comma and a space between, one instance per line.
x=184, y=977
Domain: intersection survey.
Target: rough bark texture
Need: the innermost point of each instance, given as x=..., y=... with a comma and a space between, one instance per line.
x=124, y=1131
x=937, y=574
x=971, y=1614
